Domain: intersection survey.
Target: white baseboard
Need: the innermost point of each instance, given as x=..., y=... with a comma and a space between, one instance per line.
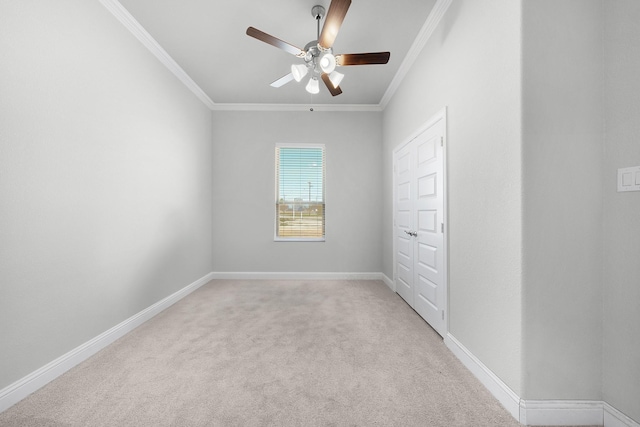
x=540, y=412
x=17, y=391
x=527, y=412
x=561, y=412
x=507, y=397
x=390, y=283
x=572, y=413
x=295, y=276
x=615, y=418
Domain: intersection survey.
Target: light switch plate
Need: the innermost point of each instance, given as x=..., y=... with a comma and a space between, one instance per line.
x=629, y=179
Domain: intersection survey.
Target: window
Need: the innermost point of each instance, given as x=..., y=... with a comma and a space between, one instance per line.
x=300, y=178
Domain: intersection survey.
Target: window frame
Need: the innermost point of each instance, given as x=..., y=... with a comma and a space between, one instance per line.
x=276, y=175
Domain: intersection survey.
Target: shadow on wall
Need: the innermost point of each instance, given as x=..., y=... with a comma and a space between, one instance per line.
x=446, y=24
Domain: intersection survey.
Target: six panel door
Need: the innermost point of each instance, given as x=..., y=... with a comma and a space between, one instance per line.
x=403, y=219
x=419, y=225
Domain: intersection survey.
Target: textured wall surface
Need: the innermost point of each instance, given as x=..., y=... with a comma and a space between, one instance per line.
x=105, y=180
x=562, y=199
x=621, y=228
x=471, y=65
x=244, y=191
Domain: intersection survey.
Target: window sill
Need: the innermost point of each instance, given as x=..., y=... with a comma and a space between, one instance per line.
x=300, y=239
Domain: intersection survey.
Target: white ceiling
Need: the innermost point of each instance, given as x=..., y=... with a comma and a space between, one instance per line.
x=207, y=39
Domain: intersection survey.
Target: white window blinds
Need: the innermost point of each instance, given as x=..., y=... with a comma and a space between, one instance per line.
x=300, y=182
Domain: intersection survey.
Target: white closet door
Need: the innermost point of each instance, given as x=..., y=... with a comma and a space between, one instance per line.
x=403, y=219
x=419, y=225
x=428, y=218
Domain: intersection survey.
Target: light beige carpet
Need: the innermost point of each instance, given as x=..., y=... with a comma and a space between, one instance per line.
x=271, y=353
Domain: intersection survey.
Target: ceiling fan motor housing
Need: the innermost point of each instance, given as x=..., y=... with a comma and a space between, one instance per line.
x=313, y=54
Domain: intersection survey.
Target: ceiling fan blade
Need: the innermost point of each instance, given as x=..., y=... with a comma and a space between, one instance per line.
x=273, y=41
x=333, y=22
x=282, y=80
x=335, y=90
x=363, y=58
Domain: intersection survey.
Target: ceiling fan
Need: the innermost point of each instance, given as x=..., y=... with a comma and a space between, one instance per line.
x=318, y=57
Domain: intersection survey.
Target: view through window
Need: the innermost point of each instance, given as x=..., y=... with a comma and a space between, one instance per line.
x=300, y=178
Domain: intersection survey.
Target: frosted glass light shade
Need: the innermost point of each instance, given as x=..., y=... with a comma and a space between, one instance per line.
x=299, y=71
x=313, y=87
x=328, y=63
x=336, y=78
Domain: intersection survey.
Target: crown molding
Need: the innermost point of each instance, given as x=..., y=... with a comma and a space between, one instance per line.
x=297, y=107
x=434, y=18
x=150, y=43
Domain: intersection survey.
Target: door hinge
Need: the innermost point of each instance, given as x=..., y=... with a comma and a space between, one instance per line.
x=442, y=227
x=442, y=314
x=442, y=141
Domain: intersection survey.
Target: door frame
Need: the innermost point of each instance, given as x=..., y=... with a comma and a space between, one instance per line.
x=439, y=116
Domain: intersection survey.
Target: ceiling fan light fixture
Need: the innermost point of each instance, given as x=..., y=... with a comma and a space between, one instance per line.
x=313, y=87
x=320, y=62
x=328, y=62
x=335, y=78
x=299, y=71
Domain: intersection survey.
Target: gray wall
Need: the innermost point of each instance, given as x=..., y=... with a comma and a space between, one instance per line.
x=562, y=198
x=105, y=180
x=471, y=65
x=621, y=248
x=107, y=186
x=244, y=191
